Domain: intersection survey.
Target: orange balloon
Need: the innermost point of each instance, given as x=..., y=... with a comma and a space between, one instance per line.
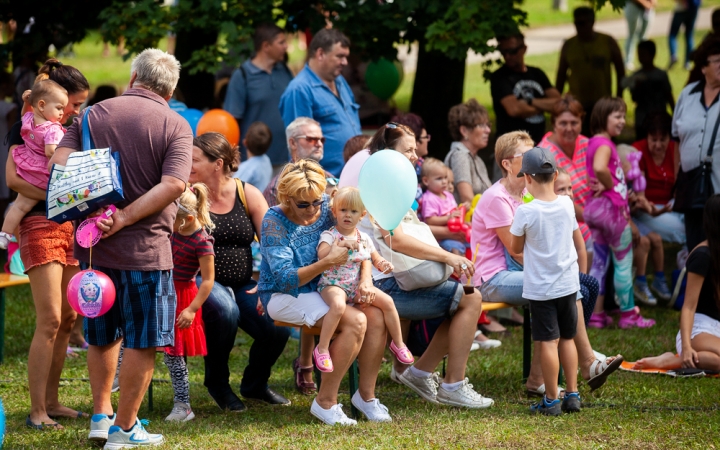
x=222, y=122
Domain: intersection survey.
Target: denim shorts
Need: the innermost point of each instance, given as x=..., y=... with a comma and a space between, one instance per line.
x=426, y=303
x=143, y=313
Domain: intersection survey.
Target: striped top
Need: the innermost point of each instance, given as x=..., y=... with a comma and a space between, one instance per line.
x=187, y=251
x=577, y=170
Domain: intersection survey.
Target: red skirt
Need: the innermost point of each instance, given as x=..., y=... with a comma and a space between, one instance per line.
x=188, y=341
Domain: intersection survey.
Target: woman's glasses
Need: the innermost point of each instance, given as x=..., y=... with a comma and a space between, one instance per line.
x=424, y=138
x=306, y=205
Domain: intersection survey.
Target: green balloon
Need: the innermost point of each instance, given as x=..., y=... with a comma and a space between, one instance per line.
x=383, y=78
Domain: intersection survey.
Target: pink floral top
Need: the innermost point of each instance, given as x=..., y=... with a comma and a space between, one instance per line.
x=346, y=276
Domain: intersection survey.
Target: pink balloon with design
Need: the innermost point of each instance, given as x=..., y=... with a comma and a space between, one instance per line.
x=91, y=293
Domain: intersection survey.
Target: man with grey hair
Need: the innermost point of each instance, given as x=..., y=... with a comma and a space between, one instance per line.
x=155, y=146
x=305, y=140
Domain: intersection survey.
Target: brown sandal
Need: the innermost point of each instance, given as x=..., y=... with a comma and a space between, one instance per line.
x=305, y=387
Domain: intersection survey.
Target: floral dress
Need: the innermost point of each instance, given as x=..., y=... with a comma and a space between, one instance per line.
x=346, y=276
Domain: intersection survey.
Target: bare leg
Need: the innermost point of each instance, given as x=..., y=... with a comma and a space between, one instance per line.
x=20, y=207
x=640, y=256
x=454, y=338
x=708, y=348
x=535, y=379
x=68, y=318
x=45, y=284
x=665, y=361
x=392, y=320
x=585, y=353
x=343, y=351
x=550, y=367
x=335, y=299
x=102, y=363
x=405, y=327
x=569, y=360
x=372, y=350
x=135, y=375
x=657, y=251
x=307, y=345
x=76, y=335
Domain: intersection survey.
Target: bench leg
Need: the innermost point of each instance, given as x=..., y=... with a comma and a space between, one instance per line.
x=2, y=325
x=527, y=343
x=150, y=396
x=353, y=382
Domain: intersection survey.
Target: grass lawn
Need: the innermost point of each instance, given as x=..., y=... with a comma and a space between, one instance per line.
x=630, y=411
x=540, y=12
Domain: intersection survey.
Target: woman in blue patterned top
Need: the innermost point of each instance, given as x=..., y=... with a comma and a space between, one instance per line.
x=289, y=274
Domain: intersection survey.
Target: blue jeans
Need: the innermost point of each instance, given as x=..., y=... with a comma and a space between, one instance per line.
x=427, y=303
x=222, y=315
x=683, y=18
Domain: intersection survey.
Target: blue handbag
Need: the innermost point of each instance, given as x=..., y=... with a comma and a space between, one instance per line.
x=88, y=181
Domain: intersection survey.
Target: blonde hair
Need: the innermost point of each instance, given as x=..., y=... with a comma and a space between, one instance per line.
x=194, y=202
x=561, y=171
x=507, y=144
x=348, y=197
x=623, y=150
x=430, y=164
x=299, y=178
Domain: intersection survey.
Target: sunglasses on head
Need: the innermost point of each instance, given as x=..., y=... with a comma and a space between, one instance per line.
x=305, y=205
x=332, y=181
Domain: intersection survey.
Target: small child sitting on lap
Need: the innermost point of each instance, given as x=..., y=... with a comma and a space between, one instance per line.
x=338, y=286
x=438, y=203
x=257, y=169
x=545, y=231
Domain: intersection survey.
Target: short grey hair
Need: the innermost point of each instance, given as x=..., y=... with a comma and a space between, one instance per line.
x=157, y=71
x=293, y=129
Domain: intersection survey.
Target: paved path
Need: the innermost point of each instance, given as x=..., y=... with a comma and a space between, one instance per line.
x=544, y=40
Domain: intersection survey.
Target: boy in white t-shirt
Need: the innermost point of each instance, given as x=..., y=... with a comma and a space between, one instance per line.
x=546, y=232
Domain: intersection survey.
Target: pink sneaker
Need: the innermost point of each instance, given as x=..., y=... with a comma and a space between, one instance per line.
x=632, y=319
x=402, y=353
x=600, y=320
x=323, y=361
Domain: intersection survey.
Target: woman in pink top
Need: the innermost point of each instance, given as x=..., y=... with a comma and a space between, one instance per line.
x=491, y=222
x=607, y=214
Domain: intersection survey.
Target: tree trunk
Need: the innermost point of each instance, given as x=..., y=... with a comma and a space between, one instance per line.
x=196, y=91
x=438, y=86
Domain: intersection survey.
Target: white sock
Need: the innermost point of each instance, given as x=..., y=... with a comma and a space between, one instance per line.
x=452, y=387
x=419, y=373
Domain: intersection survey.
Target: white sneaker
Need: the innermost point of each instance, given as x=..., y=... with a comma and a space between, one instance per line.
x=373, y=410
x=136, y=437
x=181, y=412
x=425, y=387
x=99, y=426
x=394, y=375
x=465, y=397
x=333, y=416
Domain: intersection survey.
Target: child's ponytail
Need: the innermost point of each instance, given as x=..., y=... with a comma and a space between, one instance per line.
x=203, y=206
x=194, y=201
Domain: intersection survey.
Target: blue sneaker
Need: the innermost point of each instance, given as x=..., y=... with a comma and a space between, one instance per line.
x=660, y=287
x=571, y=402
x=136, y=437
x=99, y=426
x=552, y=408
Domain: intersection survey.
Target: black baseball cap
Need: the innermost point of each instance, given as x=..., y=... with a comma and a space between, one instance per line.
x=537, y=160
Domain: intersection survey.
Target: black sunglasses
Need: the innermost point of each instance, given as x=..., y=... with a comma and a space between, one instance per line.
x=305, y=205
x=512, y=51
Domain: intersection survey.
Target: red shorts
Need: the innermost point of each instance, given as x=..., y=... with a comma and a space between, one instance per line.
x=43, y=241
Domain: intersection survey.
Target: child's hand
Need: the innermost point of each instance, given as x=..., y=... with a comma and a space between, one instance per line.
x=350, y=245
x=596, y=186
x=658, y=211
x=384, y=266
x=185, y=319
x=455, y=213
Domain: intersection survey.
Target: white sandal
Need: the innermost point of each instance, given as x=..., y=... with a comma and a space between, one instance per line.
x=602, y=369
x=540, y=391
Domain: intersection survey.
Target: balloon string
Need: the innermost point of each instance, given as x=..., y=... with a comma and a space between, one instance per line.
x=91, y=257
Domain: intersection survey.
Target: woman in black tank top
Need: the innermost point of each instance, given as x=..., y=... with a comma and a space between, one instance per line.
x=214, y=162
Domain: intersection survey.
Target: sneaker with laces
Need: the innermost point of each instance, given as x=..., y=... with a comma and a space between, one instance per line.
x=373, y=410
x=181, y=412
x=552, y=408
x=465, y=397
x=661, y=289
x=99, y=426
x=643, y=294
x=136, y=437
x=333, y=416
x=571, y=403
x=426, y=387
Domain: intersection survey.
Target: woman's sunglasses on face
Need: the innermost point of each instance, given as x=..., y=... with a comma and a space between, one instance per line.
x=305, y=205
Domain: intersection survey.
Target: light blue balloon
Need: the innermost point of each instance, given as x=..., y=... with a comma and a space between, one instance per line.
x=2, y=424
x=387, y=184
x=193, y=116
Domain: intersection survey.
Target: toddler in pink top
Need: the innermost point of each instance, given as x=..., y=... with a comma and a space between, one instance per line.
x=41, y=130
x=438, y=204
